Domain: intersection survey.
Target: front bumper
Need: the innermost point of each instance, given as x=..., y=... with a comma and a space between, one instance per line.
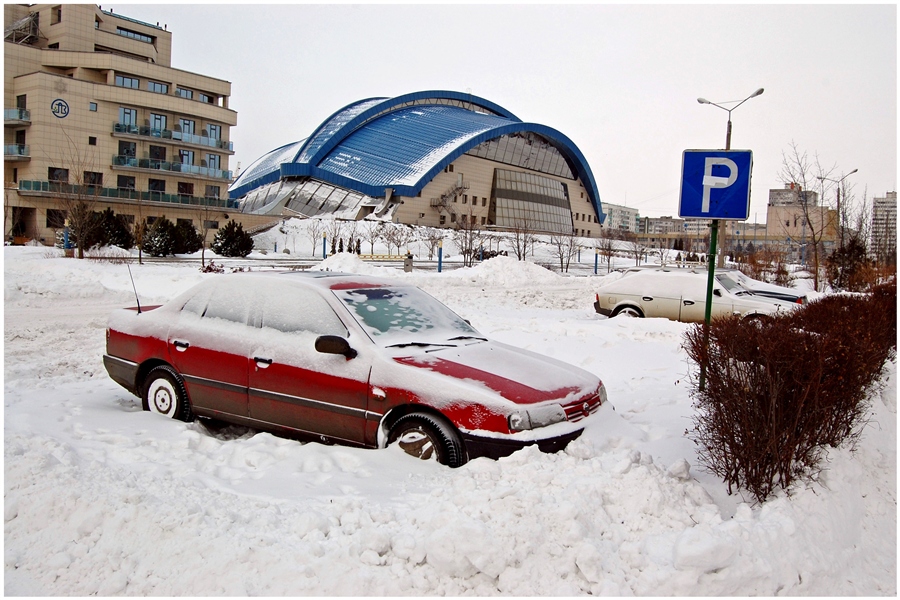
x=491, y=447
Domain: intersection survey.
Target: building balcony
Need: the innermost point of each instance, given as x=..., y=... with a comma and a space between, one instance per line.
x=168, y=134
x=16, y=117
x=119, y=160
x=96, y=192
x=16, y=152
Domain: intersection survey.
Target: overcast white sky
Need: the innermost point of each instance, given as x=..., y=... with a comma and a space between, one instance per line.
x=621, y=82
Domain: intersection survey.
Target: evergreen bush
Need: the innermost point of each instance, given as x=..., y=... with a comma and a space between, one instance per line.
x=232, y=241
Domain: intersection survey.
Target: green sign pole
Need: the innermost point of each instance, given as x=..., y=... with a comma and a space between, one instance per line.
x=711, y=263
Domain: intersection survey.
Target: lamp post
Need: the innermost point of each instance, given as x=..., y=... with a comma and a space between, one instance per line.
x=715, y=224
x=840, y=281
x=713, y=236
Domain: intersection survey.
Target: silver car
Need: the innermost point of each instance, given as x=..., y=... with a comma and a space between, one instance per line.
x=676, y=294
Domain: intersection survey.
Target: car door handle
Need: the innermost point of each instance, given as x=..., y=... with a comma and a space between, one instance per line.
x=181, y=346
x=647, y=299
x=688, y=302
x=262, y=363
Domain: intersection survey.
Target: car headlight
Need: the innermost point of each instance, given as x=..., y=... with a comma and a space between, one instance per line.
x=536, y=417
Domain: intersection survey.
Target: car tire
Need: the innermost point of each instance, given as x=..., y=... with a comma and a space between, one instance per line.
x=164, y=394
x=428, y=437
x=628, y=311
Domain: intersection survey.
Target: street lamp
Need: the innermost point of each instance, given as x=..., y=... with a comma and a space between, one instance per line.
x=840, y=281
x=713, y=235
x=721, y=259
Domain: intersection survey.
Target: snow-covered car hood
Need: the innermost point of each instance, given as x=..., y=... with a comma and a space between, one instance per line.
x=514, y=374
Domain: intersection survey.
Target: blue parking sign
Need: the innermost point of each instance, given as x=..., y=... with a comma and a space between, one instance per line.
x=715, y=184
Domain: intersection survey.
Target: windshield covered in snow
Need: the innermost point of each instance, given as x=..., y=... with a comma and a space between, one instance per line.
x=405, y=316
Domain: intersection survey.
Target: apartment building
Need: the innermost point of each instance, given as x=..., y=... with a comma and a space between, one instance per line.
x=94, y=110
x=884, y=228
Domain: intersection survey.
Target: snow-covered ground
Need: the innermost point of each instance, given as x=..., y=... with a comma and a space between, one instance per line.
x=102, y=498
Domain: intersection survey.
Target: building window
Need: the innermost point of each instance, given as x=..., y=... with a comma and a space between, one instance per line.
x=180, y=91
x=186, y=157
x=127, y=218
x=213, y=161
x=92, y=141
x=158, y=122
x=210, y=224
x=159, y=88
x=455, y=198
x=127, y=116
x=57, y=175
x=453, y=217
x=483, y=220
x=215, y=131
x=92, y=107
x=127, y=149
x=56, y=218
x=158, y=152
x=212, y=191
x=187, y=126
x=484, y=201
x=134, y=35
x=184, y=222
x=185, y=189
x=56, y=15
x=465, y=198
x=54, y=46
x=205, y=98
x=93, y=178
x=443, y=219
x=124, y=182
x=150, y=220
x=128, y=82
x=157, y=185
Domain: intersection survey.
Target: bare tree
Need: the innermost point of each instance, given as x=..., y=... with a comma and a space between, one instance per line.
x=818, y=221
x=314, y=230
x=335, y=228
x=431, y=237
x=468, y=238
x=523, y=237
x=607, y=248
x=565, y=247
x=370, y=231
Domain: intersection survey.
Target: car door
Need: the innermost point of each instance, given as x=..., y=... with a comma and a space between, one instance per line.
x=294, y=385
x=209, y=346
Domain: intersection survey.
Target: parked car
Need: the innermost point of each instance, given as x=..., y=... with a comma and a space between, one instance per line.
x=676, y=294
x=348, y=359
x=725, y=275
x=761, y=288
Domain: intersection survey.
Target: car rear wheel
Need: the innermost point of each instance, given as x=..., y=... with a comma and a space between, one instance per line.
x=628, y=311
x=428, y=437
x=164, y=394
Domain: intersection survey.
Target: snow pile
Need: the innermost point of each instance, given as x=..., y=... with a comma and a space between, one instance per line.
x=102, y=498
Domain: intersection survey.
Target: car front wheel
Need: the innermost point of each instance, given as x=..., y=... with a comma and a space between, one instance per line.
x=164, y=394
x=428, y=437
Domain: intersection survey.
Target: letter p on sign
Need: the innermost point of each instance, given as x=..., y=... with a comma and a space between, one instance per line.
x=715, y=184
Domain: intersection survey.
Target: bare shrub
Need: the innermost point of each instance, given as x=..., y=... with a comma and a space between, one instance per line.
x=780, y=390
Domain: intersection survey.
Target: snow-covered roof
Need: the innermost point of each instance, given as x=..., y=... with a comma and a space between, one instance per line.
x=401, y=143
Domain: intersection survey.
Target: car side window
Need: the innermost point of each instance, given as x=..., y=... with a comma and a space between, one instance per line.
x=297, y=310
x=230, y=303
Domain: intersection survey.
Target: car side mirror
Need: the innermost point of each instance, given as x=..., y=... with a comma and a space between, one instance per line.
x=335, y=344
x=717, y=293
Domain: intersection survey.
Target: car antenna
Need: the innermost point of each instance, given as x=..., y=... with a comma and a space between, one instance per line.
x=136, y=299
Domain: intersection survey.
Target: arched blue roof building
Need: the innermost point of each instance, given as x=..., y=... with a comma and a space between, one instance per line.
x=435, y=158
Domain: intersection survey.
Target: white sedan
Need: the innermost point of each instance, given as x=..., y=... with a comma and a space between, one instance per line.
x=676, y=294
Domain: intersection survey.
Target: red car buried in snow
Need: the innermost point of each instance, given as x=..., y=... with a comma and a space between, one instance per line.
x=348, y=359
